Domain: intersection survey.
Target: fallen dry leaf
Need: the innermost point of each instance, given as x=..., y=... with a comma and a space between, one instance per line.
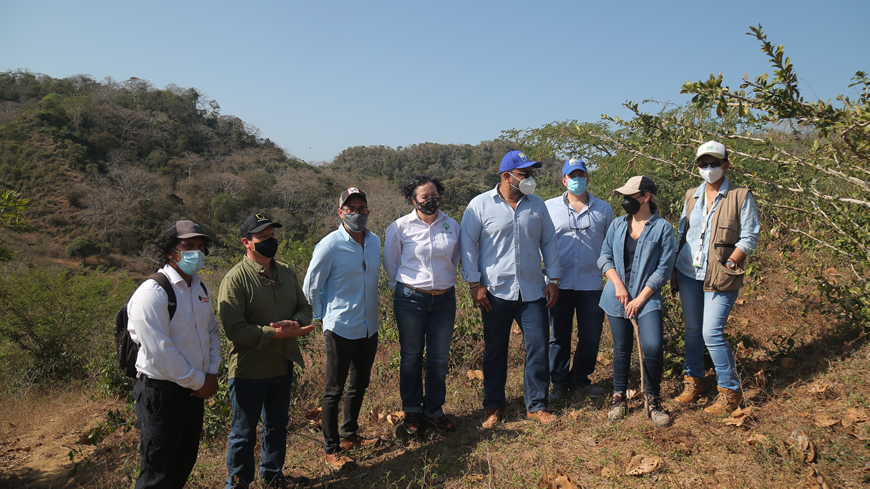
x=515, y=329
x=606, y=472
x=375, y=415
x=631, y=394
x=395, y=417
x=475, y=374
x=761, y=378
x=824, y=421
x=803, y=446
x=855, y=416
x=575, y=414
x=815, y=479
x=822, y=391
x=640, y=465
x=757, y=439
x=313, y=416
x=558, y=481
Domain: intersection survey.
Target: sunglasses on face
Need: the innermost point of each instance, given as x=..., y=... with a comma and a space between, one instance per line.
x=524, y=174
x=715, y=164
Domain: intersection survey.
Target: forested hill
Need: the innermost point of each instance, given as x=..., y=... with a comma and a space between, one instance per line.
x=116, y=161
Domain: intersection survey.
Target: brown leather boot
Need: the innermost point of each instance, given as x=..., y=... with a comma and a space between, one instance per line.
x=693, y=388
x=726, y=402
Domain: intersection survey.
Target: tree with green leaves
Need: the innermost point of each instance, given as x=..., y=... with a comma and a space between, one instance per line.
x=82, y=247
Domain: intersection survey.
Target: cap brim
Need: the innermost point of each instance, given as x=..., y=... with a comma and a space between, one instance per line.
x=193, y=235
x=533, y=164
x=263, y=226
x=626, y=190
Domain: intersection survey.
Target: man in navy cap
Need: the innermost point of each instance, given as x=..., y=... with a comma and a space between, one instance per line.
x=581, y=221
x=503, y=236
x=263, y=311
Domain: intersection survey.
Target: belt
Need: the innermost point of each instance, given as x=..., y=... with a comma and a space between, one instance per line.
x=165, y=385
x=429, y=292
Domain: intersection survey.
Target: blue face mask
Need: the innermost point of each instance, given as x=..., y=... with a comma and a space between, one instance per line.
x=191, y=261
x=577, y=185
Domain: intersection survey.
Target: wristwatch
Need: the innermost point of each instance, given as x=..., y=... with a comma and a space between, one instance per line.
x=556, y=281
x=731, y=264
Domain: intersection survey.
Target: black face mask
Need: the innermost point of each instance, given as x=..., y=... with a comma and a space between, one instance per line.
x=428, y=206
x=630, y=204
x=267, y=247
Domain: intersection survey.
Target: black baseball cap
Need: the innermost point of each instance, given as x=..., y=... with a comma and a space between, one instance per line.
x=256, y=223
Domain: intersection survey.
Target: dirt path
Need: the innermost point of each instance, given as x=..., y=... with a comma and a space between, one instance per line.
x=42, y=449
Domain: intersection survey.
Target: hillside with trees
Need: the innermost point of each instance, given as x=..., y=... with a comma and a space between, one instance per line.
x=92, y=171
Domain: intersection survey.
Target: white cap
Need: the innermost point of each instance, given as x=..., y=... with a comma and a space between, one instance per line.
x=712, y=148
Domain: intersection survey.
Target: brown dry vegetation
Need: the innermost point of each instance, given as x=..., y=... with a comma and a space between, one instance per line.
x=807, y=423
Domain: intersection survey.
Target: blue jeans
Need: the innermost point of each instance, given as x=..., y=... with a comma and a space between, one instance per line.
x=424, y=321
x=651, y=332
x=533, y=321
x=705, y=314
x=590, y=321
x=251, y=400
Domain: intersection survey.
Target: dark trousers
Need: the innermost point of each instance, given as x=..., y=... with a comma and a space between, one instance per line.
x=345, y=356
x=590, y=321
x=169, y=420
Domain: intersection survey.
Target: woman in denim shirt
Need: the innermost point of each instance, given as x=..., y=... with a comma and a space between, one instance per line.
x=637, y=258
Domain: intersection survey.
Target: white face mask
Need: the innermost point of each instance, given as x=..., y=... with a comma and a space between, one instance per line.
x=711, y=175
x=527, y=185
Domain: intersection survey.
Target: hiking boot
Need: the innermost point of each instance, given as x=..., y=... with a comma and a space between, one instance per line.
x=726, y=402
x=657, y=413
x=441, y=423
x=618, y=407
x=356, y=441
x=338, y=460
x=492, y=418
x=693, y=388
x=411, y=424
x=558, y=394
x=543, y=416
x=593, y=391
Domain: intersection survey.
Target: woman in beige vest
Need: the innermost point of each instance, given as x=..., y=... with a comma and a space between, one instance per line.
x=719, y=228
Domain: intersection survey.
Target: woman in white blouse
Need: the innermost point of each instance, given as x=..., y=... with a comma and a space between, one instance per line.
x=420, y=258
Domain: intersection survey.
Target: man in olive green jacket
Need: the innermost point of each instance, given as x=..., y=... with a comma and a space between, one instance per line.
x=262, y=310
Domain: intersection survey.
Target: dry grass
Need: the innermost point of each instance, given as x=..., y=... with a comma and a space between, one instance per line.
x=805, y=425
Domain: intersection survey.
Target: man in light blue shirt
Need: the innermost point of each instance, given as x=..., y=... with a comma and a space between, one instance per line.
x=342, y=287
x=503, y=236
x=581, y=221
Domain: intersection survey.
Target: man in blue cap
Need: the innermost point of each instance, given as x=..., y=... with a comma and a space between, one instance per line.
x=503, y=236
x=581, y=221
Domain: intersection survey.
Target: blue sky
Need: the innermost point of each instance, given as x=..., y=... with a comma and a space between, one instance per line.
x=317, y=77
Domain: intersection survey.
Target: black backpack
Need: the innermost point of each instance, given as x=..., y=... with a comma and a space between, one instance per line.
x=128, y=349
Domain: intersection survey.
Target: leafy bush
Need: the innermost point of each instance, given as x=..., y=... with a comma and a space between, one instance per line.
x=59, y=317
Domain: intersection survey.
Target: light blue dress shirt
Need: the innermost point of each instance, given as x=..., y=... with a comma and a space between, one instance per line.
x=502, y=248
x=580, y=235
x=342, y=284
x=750, y=228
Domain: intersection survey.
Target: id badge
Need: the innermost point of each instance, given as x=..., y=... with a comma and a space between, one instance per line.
x=698, y=260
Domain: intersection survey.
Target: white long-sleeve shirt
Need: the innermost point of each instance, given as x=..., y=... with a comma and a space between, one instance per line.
x=420, y=255
x=180, y=350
